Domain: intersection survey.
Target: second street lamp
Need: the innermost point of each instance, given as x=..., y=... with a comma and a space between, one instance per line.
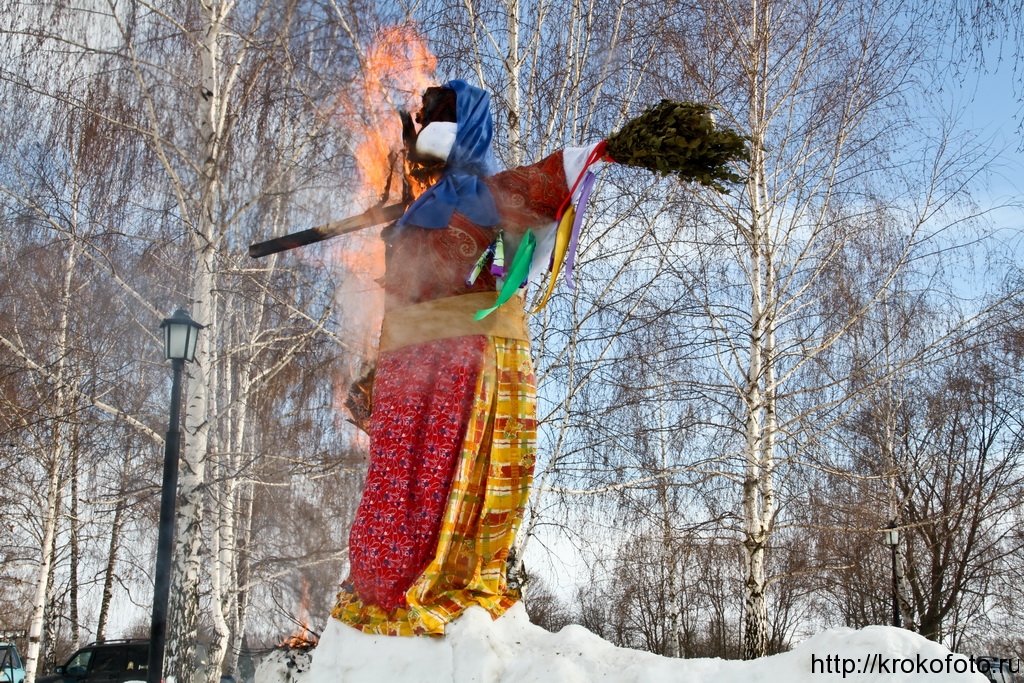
x=892, y=539
x=181, y=333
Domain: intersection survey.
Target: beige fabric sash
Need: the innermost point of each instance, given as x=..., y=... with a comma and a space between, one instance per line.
x=453, y=317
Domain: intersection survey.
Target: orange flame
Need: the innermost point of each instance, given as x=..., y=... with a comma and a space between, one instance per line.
x=303, y=638
x=397, y=68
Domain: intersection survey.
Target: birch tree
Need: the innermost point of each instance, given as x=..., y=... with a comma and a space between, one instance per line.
x=818, y=88
x=50, y=195
x=233, y=47
x=261, y=134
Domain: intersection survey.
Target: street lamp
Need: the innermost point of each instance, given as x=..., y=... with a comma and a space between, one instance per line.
x=180, y=335
x=892, y=539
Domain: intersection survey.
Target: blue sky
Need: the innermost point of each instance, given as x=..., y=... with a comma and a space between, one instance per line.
x=991, y=108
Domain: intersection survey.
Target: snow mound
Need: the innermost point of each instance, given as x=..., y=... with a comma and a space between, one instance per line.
x=284, y=666
x=476, y=649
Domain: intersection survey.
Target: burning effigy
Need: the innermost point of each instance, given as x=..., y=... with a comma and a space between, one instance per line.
x=450, y=406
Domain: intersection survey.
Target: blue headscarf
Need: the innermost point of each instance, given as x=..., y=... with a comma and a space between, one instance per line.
x=471, y=158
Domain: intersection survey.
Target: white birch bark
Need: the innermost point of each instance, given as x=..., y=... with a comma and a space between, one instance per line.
x=112, y=550
x=187, y=570
x=50, y=515
x=673, y=611
x=75, y=549
x=513, y=67
x=890, y=402
x=241, y=604
x=48, y=656
x=758, y=501
x=754, y=532
x=224, y=582
x=55, y=464
x=670, y=544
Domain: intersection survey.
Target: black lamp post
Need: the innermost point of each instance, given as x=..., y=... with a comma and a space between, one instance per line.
x=180, y=335
x=892, y=539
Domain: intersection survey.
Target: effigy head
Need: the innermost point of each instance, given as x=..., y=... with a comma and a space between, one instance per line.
x=439, y=104
x=456, y=128
x=449, y=157
x=438, y=128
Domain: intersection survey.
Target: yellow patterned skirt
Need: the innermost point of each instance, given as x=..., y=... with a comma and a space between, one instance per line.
x=485, y=506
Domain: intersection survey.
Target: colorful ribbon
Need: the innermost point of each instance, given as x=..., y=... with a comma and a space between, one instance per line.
x=517, y=274
x=570, y=221
x=498, y=264
x=481, y=262
x=562, y=239
x=588, y=183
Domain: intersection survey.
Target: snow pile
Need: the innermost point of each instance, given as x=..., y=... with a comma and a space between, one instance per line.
x=512, y=650
x=284, y=665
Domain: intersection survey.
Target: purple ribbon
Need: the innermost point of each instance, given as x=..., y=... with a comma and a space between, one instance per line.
x=574, y=237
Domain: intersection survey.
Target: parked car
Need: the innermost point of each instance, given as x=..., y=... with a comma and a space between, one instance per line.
x=997, y=670
x=11, y=668
x=113, y=661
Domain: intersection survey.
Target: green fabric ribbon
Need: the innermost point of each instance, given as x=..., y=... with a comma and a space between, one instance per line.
x=516, y=276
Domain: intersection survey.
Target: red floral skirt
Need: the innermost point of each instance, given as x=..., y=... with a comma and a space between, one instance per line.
x=421, y=402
